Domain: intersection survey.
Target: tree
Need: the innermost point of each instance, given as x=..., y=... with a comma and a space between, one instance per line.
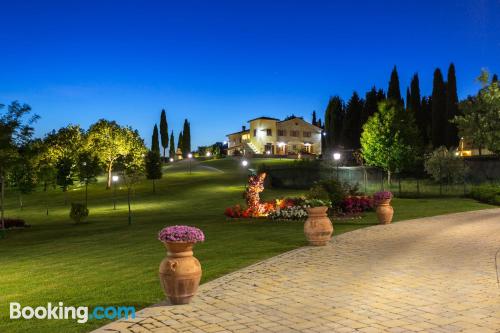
x=444, y=165
x=414, y=105
x=88, y=167
x=314, y=121
x=47, y=177
x=334, y=115
x=351, y=128
x=155, y=144
x=426, y=121
x=23, y=175
x=15, y=131
x=372, y=98
x=390, y=139
x=172, y=146
x=451, y=130
x=111, y=141
x=64, y=175
x=153, y=167
x=186, y=138
x=393, y=92
x=180, y=142
x=438, y=106
x=132, y=169
x=480, y=119
x=164, y=131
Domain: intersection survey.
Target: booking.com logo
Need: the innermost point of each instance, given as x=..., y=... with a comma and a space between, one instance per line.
x=81, y=313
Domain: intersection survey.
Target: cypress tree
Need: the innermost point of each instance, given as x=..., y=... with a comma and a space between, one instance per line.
x=451, y=108
x=494, y=79
x=415, y=106
x=164, y=131
x=153, y=167
x=334, y=115
x=155, y=144
x=426, y=118
x=351, y=129
x=180, y=142
x=186, y=138
x=393, y=92
x=314, y=118
x=438, y=107
x=408, y=98
x=319, y=123
x=172, y=145
x=370, y=106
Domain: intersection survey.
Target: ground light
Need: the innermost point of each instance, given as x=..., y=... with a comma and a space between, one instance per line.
x=208, y=154
x=115, y=180
x=244, y=163
x=171, y=159
x=336, y=157
x=189, y=156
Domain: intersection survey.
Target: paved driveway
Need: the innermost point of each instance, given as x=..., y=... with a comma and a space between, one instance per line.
x=432, y=274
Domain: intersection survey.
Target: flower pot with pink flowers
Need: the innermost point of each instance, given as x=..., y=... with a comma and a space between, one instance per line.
x=180, y=272
x=384, y=210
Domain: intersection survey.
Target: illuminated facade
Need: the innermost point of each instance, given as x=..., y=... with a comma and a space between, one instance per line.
x=271, y=136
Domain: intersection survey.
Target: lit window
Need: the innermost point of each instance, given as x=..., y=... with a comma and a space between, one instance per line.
x=269, y=132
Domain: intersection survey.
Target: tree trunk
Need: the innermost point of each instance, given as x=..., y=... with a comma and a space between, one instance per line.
x=399, y=185
x=86, y=193
x=154, y=186
x=129, y=211
x=110, y=169
x=20, y=201
x=365, y=177
x=418, y=186
x=389, y=178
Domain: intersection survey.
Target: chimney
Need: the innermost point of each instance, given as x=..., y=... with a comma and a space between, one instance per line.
x=243, y=128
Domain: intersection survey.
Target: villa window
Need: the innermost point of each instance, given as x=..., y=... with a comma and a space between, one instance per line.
x=254, y=132
x=294, y=133
x=269, y=132
x=281, y=132
x=306, y=134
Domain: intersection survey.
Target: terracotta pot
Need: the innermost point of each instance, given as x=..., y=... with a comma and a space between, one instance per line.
x=318, y=228
x=384, y=211
x=180, y=272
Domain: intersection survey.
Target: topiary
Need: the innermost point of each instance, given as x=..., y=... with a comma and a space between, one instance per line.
x=79, y=212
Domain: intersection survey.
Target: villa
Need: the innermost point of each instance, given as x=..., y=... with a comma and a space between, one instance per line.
x=272, y=136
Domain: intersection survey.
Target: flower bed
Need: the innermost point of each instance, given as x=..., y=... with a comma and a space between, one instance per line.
x=352, y=205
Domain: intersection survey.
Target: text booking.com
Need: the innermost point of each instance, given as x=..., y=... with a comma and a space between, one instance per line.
x=59, y=311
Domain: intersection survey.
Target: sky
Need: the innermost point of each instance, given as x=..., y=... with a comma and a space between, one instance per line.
x=221, y=63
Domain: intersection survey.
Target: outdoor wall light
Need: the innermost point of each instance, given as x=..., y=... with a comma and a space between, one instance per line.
x=268, y=152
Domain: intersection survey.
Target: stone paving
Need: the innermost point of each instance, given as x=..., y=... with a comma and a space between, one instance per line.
x=426, y=275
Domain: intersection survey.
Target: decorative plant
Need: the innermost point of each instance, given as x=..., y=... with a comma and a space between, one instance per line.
x=317, y=197
x=78, y=212
x=252, y=194
x=318, y=203
x=181, y=233
x=294, y=213
x=382, y=195
x=356, y=204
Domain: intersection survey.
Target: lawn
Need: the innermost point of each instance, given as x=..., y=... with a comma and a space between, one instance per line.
x=107, y=262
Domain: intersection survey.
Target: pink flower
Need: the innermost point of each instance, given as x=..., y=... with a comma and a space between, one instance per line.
x=181, y=233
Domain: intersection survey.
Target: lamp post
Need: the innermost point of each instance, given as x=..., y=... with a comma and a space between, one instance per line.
x=336, y=158
x=115, y=180
x=189, y=156
x=171, y=159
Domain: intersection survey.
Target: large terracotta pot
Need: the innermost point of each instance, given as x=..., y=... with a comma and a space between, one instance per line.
x=318, y=227
x=384, y=211
x=180, y=272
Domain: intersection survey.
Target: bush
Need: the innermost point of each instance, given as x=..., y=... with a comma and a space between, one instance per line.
x=14, y=223
x=356, y=205
x=444, y=165
x=298, y=175
x=78, y=212
x=486, y=193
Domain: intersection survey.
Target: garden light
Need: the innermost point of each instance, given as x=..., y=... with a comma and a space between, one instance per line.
x=115, y=178
x=190, y=155
x=208, y=154
x=244, y=163
x=171, y=159
x=336, y=156
x=268, y=152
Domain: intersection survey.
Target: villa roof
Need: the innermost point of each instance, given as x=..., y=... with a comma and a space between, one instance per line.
x=245, y=131
x=267, y=118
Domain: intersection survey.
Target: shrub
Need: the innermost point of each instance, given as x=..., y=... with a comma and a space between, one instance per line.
x=336, y=191
x=357, y=204
x=486, y=193
x=79, y=212
x=294, y=213
x=444, y=165
x=14, y=223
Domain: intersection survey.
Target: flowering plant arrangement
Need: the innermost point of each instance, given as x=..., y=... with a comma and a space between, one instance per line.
x=295, y=213
x=318, y=203
x=181, y=233
x=356, y=204
x=382, y=195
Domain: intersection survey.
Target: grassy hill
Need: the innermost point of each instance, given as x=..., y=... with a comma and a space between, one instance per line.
x=107, y=262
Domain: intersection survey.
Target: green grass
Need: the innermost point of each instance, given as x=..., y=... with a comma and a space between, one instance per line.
x=107, y=262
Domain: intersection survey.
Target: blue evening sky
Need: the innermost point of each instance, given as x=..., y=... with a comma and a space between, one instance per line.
x=220, y=63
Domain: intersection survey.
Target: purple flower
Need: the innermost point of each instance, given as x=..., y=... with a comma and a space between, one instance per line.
x=382, y=195
x=181, y=233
